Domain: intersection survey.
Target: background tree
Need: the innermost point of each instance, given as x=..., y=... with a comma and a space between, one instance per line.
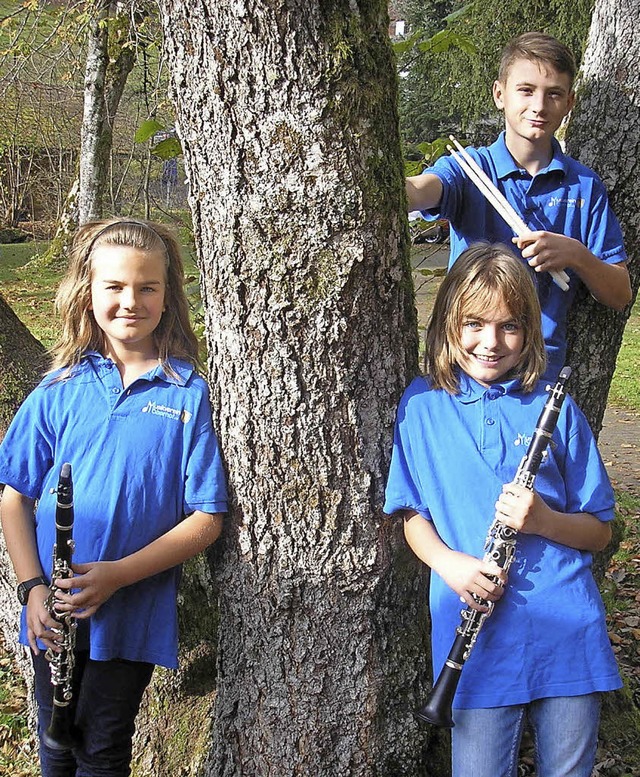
x=66, y=72
x=291, y=143
x=604, y=133
x=111, y=54
x=39, y=121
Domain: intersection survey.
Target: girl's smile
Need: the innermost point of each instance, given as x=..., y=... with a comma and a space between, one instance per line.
x=491, y=345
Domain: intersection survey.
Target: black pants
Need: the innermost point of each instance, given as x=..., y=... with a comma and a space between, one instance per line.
x=106, y=700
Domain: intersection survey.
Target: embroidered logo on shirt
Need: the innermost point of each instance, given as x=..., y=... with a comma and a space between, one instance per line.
x=570, y=202
x=525, y=440
x=175, y=414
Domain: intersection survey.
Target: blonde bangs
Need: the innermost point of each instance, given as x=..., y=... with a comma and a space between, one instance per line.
x=484, y=278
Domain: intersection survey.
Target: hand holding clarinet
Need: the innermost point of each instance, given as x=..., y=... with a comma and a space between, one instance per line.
x=500, y=548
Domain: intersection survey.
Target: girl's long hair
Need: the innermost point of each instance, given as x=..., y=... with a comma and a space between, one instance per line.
x=483, y=277
x=80, y=332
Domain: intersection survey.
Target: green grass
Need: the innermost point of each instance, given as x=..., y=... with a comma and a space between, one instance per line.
x=14, y=255
x=625, y=387
x=29, y=294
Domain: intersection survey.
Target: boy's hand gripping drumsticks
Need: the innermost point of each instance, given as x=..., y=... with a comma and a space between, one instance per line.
x=497, y=199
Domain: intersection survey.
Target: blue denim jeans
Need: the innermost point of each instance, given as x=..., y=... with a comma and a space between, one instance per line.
x=106, y=700
x=485, y=742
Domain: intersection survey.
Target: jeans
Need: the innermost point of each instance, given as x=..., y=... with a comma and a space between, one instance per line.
x=485, y=742
x=106, y=700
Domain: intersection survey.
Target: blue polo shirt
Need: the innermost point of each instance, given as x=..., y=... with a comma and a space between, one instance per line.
x=142, y=458
x=566, y=198
x=451, y=455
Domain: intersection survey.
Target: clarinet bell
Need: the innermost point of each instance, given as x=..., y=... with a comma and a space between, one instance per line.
x=436, y=714
x=61, y=735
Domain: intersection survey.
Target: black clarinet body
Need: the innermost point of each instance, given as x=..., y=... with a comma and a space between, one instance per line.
x=500, y=546
x=61, y=733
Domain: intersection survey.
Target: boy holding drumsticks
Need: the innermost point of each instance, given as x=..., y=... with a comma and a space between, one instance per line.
x=564, y=203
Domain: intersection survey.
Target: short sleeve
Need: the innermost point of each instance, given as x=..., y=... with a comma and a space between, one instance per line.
x=587, y=483
x=604, y=238
x=205, y=481
x=27, y=450
x=403, y=489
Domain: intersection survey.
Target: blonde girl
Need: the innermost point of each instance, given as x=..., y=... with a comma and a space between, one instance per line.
x=461, y=431
x=124, y=406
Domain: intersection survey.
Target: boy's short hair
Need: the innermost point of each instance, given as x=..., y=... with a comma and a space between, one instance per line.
x=537, y=47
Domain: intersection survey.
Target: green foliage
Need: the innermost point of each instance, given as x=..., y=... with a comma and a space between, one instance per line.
x=147, y=130
x=422, y=103
x=167, y=148
x=444, y=40
x=424, y=155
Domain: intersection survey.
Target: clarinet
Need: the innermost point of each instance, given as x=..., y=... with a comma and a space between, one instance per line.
x=61, y=734
x=500, y=546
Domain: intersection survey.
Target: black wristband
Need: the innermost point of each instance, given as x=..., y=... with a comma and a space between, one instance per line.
x=25, y=588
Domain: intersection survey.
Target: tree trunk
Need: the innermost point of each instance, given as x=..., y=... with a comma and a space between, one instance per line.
x=22, y=360
x=94, y=117
x=604, y=134
x=104, y=83
x=287, y=119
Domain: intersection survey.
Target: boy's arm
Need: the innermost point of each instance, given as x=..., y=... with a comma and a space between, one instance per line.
x=18, y=527
x=97, y=581
x=545, y=251
x=464, y=574
x=423, y=191
x=526, y=511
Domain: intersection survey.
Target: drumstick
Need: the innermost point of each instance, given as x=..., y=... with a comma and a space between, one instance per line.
x=497, y=200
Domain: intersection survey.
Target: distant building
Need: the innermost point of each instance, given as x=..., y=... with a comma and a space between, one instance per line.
x=397, y=24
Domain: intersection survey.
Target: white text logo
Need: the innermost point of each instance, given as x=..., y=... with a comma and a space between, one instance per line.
x=175, y=414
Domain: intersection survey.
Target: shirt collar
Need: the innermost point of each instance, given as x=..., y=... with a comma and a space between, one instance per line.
x=182, y=369
x=506, y=165
x=471, y=391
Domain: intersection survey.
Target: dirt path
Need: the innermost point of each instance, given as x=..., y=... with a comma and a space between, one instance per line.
x=619, y=444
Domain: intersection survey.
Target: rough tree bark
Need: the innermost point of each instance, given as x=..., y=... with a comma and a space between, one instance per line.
x=604, y=134
x=22, y=359
x=286, y=115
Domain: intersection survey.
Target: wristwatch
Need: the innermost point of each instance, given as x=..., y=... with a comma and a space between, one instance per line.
x=25, y=588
